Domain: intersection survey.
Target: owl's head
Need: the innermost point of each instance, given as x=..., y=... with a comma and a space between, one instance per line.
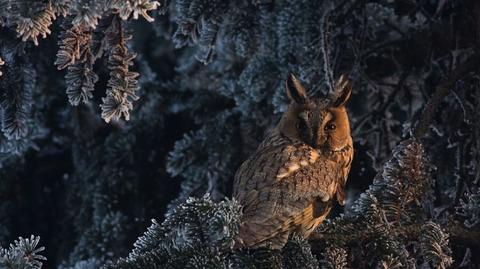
x=321, y=123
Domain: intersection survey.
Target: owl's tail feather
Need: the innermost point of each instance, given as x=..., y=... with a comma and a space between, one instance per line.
x=274, y=232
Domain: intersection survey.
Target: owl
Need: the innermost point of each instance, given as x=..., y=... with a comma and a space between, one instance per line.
x=288, y=184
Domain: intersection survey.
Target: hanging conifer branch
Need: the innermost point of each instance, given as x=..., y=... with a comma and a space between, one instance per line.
x=76, y=53
x=33, y=19
x=123, y=84
x=198, y=23
x=81, y=81
x=74, y=43
x=35, y=22
x=87, y=13
x=16, y=99
x=135, y=8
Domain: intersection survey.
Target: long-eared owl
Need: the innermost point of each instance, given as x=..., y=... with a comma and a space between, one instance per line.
x=288, y=184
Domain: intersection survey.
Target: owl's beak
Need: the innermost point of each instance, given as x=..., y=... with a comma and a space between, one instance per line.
x=320, y=143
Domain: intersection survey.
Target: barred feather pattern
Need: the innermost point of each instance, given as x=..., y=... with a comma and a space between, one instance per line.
x=291, y=201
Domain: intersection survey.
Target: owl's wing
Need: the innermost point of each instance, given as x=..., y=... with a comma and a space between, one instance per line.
x=307, y=174
x=344, y=159
x=277, y=185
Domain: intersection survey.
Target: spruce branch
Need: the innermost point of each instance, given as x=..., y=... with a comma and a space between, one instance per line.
x=334, y=258
x=392, y=201
x=261, y=258
x=16, y=99
x=123, y=84
x=458, y=234
x=470, y=209
x=61, y=7
x=389, y=262
x=149, y=240
x=74, y=45
x=35, y=21
x=198, y=23
x=297, y=254
x=193, y=235
x=157, y=258
x=134, y=8
x=76, y=54
x=22, y=254
x=434, y=245
x=400, y=187
x=86, y=13
x=81, y=81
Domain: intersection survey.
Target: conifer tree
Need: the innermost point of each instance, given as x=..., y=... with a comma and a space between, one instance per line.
x=116, y=112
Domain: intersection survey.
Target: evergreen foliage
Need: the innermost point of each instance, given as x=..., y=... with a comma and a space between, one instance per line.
x=22, y=254
x=122, y=84
x=116, y=112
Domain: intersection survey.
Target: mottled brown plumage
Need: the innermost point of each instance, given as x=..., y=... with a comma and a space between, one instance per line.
x=288, y=184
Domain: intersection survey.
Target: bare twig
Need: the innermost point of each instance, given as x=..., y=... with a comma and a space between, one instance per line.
x=442, y=90
x=383, y=107
x=325, y=46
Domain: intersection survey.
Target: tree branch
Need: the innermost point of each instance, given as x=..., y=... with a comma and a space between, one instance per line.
x=442, y=90
x=459, y=235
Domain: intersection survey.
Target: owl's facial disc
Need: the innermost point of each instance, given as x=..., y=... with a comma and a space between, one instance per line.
x=320, y=123
x=337, y=130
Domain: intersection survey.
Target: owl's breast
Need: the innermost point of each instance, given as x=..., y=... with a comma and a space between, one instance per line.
x=342, y=156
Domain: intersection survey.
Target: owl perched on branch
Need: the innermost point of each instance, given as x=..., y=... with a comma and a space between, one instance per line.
x=289, y=183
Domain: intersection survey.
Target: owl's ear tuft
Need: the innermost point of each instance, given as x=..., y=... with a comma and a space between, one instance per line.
x=295, y=90
x=342, y=91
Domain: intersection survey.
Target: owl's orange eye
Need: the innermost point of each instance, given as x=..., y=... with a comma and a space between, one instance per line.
x=330, y=127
